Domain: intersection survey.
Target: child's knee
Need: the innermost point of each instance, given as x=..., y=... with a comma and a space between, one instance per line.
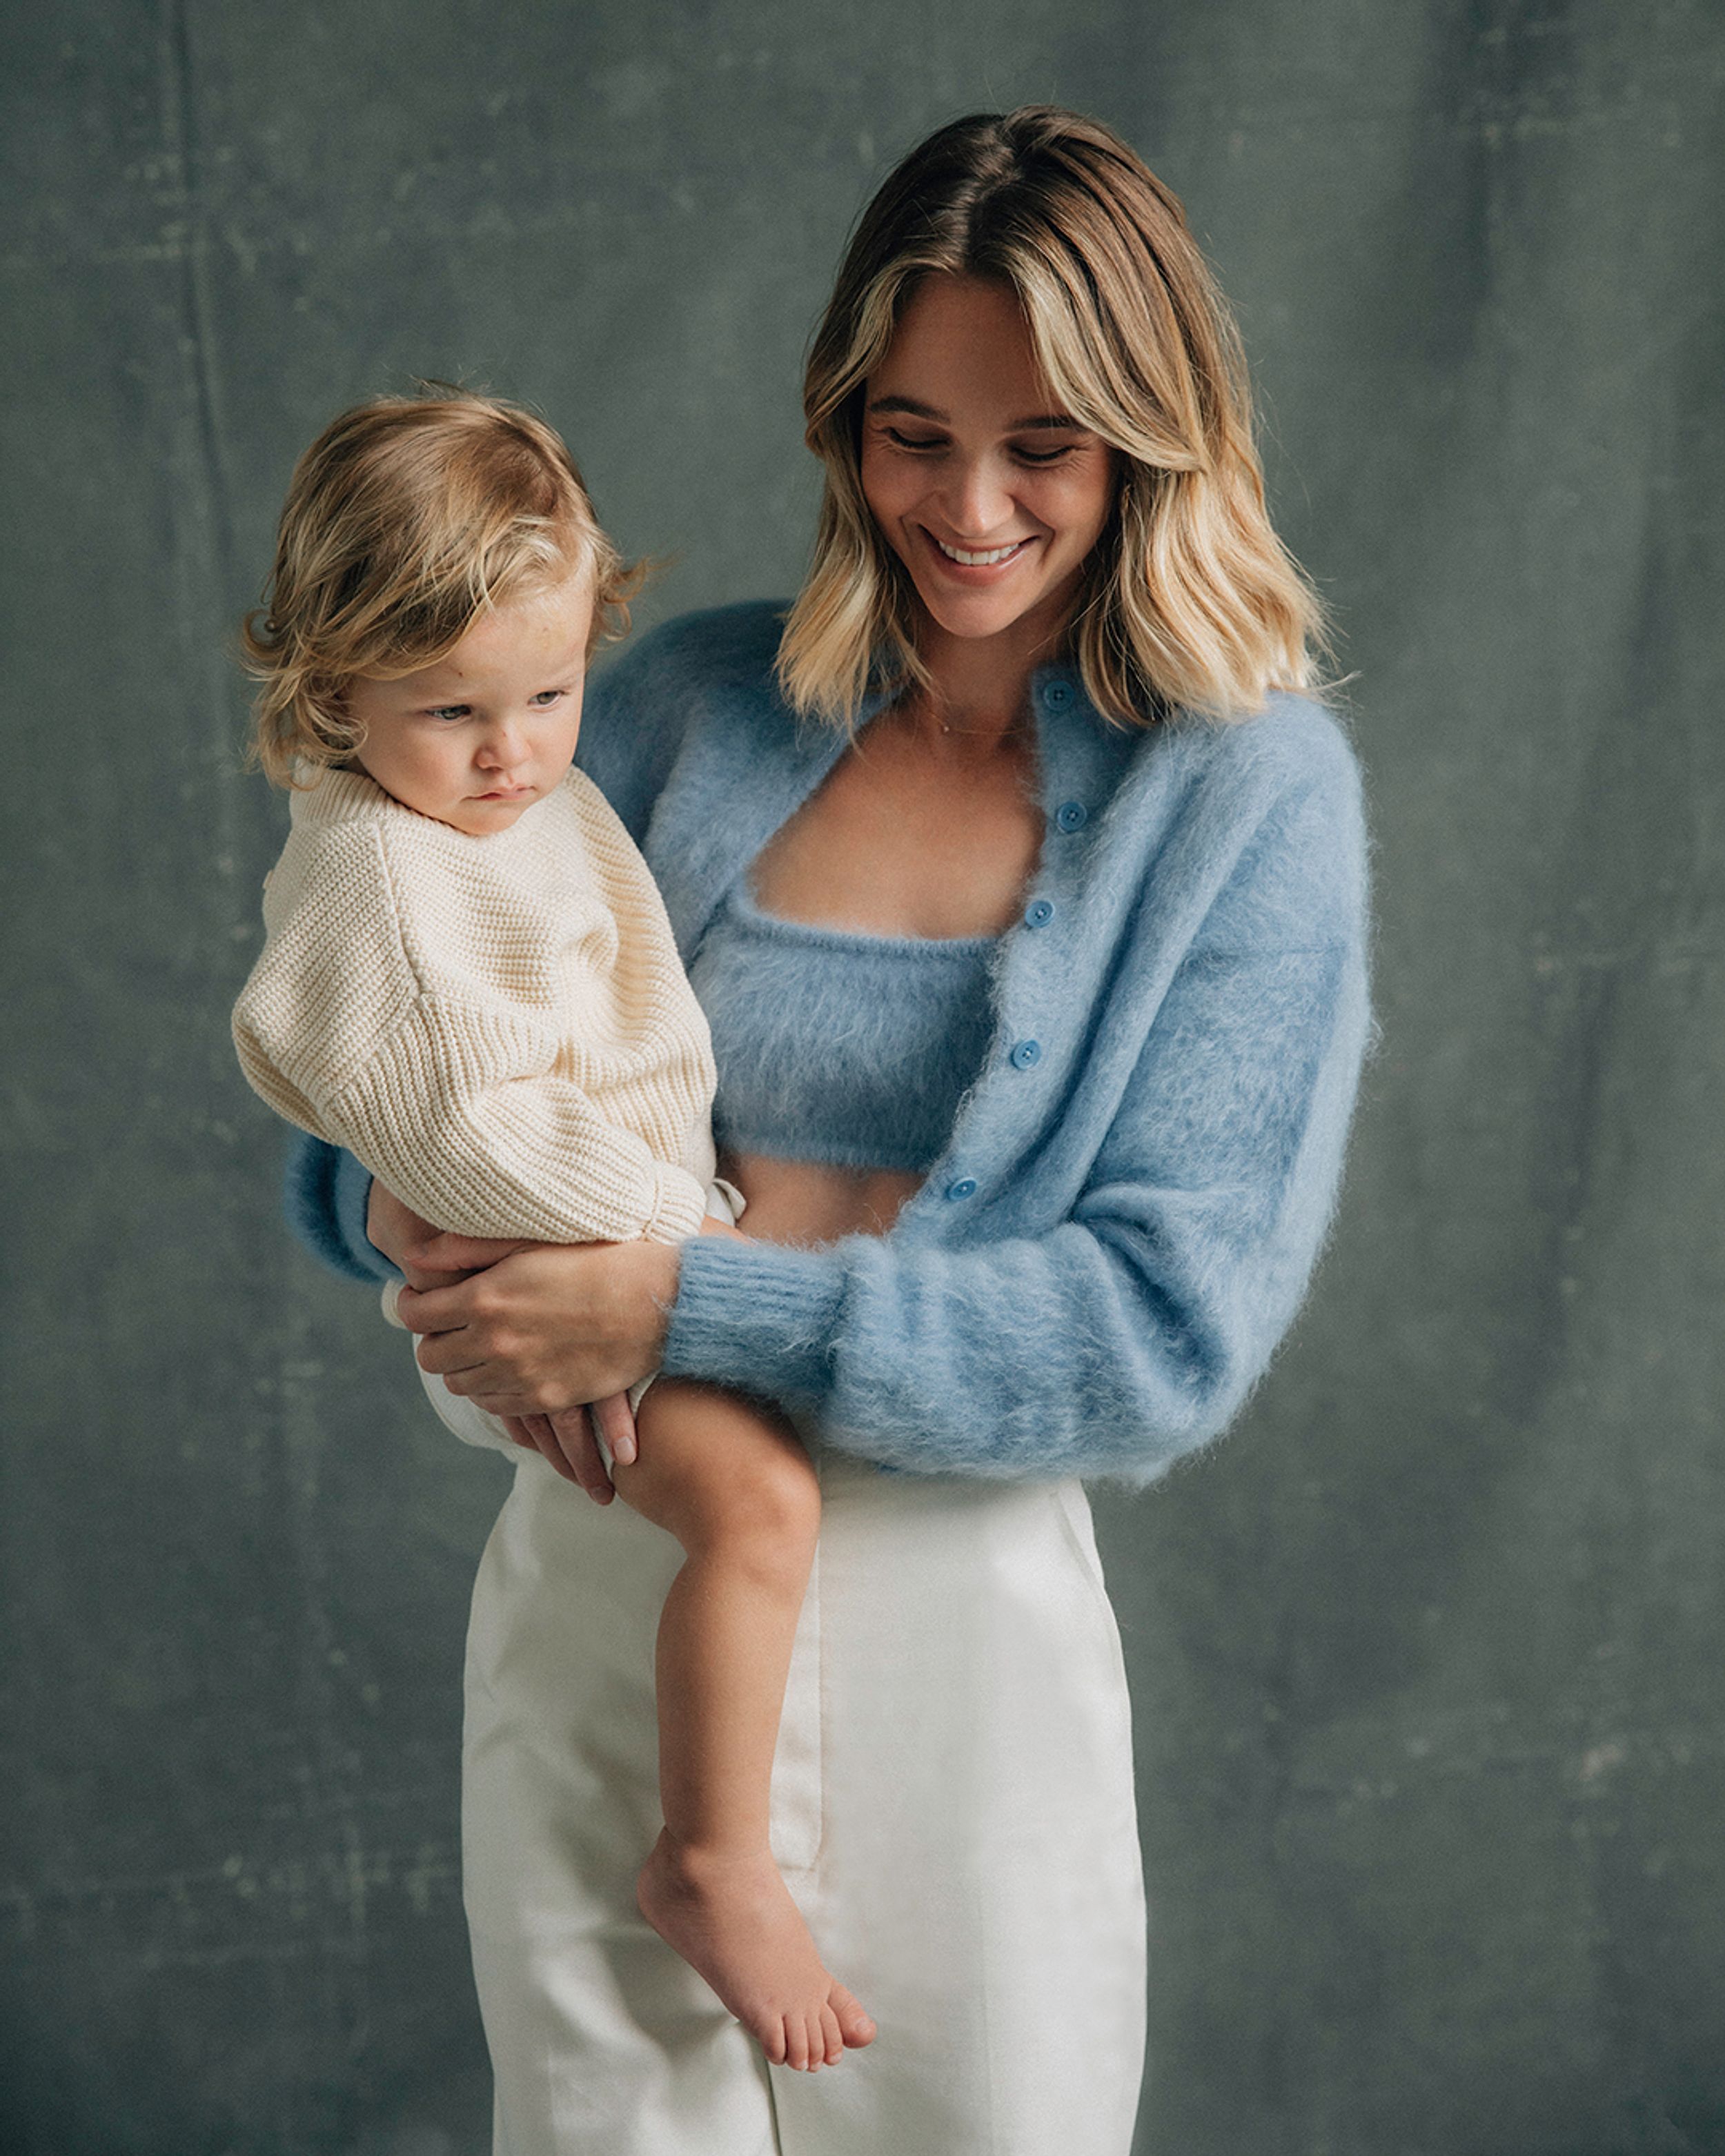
x=776, y=1494
x=716, y=1467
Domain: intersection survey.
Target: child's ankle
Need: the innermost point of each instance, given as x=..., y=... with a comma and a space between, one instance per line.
x=697, y=1857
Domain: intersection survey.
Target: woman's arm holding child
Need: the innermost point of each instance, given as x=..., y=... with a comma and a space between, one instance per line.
x=430, y=1258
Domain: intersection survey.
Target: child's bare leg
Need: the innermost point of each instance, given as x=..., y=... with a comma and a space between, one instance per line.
x=732, y=1483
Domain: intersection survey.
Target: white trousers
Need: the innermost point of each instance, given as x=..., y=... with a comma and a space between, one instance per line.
x=952, y=1809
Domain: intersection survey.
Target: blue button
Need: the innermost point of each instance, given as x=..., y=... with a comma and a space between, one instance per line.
x=1071, y=815
x=1025, y=1054
x=1038, y=913
x=965, y=1187
x=1057, y=693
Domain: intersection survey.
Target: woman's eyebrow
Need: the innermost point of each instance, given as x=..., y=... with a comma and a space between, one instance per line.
x=1044, y=421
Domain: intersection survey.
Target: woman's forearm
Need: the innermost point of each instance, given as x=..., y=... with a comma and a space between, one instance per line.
x=1128, y=1329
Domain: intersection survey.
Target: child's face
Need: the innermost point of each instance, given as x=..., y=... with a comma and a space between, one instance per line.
x=478, y=738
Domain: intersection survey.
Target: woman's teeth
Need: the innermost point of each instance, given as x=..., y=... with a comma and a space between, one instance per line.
x=970, y=560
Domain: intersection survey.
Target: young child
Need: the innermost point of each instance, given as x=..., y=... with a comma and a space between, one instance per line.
x=468, y=980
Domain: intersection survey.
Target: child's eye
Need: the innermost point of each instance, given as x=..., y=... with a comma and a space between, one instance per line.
x=547, y=697
x=449, y=712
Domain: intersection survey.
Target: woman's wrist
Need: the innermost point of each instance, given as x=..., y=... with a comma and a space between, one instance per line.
x=747, y=1313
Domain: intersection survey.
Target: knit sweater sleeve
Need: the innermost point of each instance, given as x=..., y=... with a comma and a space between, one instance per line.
x=461, y=1113
x=454, y=1099
x=1133, y=1328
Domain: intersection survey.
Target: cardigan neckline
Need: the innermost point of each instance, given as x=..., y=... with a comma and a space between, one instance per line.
x=1080, y=761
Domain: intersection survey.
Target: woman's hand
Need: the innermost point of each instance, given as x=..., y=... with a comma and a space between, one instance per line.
x=511, y=1334
x=547, y=1327
x=432, y=1258
x=565, y=1442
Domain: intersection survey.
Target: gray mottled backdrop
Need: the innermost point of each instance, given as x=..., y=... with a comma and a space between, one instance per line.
x=1426, y=1656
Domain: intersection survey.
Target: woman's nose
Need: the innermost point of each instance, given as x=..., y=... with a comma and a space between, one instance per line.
x=979, y=502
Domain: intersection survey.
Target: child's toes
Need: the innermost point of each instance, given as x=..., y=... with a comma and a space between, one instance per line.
x=796, y=2042
x=855, y=2026
x=832, y=2042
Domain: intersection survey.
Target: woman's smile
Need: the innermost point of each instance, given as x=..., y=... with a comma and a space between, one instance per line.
x=985, y=558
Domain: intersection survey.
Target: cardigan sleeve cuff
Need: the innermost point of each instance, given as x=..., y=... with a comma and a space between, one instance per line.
x=756, y=1315
x=679, y=1206
x=352, y=1195
x=324, y=1201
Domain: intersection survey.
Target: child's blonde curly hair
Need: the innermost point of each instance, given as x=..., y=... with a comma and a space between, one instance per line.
x=407, y=518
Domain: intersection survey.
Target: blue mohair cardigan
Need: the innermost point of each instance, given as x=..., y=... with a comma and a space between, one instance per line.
x=1124, y=1222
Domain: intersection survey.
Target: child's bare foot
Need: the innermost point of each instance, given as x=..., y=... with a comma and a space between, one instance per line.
x=732, y=1920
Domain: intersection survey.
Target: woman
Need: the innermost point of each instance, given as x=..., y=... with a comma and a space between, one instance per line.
x=1035, y=971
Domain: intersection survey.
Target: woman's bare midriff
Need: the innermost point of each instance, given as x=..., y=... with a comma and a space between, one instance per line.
x=801, y=1201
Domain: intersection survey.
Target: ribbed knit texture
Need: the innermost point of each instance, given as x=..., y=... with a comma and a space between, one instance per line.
x=1128, y=1207
x=499, y=1027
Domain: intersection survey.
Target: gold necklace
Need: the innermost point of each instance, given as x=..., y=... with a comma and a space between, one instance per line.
x=1013, y=730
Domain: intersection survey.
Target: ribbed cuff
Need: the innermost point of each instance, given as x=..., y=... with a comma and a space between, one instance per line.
x=352, y=1206
x=324, y=1197
x=679, y=1207
x=756, y=1315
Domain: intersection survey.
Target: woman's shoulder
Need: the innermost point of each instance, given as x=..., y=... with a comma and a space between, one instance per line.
x=1296, y=741
x=713, y=647
x=1276, y=813
x=680, y=676
x=1289, y=768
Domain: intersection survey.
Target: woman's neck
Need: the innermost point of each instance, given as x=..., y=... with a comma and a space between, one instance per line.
x=979, y=687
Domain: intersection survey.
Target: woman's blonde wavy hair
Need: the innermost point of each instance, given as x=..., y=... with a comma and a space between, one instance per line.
x=1189, y=599
x=408, y=518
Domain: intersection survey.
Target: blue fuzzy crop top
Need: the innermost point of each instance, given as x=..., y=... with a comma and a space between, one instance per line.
x=836, y=1046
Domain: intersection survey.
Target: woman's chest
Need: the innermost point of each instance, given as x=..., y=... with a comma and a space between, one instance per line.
x=897, y=843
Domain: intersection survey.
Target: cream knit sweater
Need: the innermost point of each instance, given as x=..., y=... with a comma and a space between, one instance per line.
x=499, y=1027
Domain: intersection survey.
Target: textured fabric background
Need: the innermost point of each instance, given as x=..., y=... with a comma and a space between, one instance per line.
x=1426, y=1656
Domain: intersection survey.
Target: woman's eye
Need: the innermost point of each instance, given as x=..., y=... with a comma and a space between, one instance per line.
x=1045, y=456
x=914, y=441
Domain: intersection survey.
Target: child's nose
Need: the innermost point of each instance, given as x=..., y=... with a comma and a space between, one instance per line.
x=503, y=743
